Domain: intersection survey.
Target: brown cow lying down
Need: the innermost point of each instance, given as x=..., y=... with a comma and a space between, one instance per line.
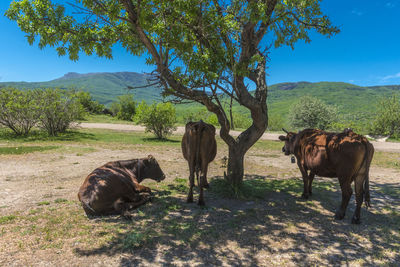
x=199, y=149
x=345, y=155
x=114, y=187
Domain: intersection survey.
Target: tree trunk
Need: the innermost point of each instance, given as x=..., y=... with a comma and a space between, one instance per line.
x=235, y=166
x=238, y=149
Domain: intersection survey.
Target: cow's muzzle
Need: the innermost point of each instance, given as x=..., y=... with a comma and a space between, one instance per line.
x=162, y=178
x=285, y=151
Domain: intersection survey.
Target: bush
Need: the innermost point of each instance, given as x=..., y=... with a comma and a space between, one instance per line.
x=158, y=118
x=275, y=123
x=195, y=116
x=87, y=102
x=212, y=119
x=18, y=110
x=387, y=119
x=241, y=121
x=310, y=112
x=58, y=110
x=114, y=108
x=124, y=108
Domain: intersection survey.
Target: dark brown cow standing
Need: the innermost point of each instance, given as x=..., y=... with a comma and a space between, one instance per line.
x=345, y=155
x=114, y=187
x=199, y=149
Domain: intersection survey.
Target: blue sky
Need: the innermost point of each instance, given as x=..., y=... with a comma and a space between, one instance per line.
x=366, y=52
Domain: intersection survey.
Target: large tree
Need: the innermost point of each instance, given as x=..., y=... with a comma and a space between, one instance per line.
x=202, y=50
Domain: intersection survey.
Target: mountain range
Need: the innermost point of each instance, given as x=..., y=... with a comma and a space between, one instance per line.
x=352, y=100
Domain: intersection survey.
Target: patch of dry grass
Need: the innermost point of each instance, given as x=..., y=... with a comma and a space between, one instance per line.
x=264, y=223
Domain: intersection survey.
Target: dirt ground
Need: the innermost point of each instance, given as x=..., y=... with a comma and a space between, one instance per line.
x=278, y=229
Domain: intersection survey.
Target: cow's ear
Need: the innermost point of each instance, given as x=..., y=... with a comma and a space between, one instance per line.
x=282, y=138
x=151, y=158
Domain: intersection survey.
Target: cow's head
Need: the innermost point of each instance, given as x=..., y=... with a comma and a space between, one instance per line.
x=152, y=170
x=288, y=148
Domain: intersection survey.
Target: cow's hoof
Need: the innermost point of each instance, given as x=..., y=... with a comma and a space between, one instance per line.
x=201, y=203
x=339, y=216
x=310, y=193
x=355, y=220
x=189, y=200
x=304, y=196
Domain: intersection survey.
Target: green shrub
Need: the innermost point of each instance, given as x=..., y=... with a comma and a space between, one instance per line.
x=124, y=108
x=310, y=112
x=58, y=110
x=275, y=123
x=115, y=108
x=195, y=116
x=387, y=119
x=90, y=105
x=18, y=110
x=241, y=121
x=158, y=118
x=212, y=119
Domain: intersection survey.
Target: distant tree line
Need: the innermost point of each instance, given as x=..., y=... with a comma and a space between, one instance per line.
x=55, y=111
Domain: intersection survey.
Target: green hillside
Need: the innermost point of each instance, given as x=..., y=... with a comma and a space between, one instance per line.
x=353, y=102
x=104, y=87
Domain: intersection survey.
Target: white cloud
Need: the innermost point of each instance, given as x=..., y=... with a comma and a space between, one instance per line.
x=390, y=4
x=391, y=77
x=357, y=12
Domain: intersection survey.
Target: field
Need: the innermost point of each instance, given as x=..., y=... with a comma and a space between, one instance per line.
x=266, y=224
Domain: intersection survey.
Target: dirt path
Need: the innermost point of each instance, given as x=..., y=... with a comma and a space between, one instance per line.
x=379, y=146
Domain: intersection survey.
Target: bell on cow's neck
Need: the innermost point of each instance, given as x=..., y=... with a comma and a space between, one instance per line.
x=293, y=159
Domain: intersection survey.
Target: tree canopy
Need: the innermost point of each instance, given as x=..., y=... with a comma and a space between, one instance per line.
x=201, y=49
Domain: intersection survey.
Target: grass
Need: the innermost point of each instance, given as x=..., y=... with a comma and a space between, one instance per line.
x=386, y=160
x=91, y=136
x=7, y=219
x=18, y=150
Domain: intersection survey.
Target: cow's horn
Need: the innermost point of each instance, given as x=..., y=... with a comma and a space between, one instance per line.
x=283, y=129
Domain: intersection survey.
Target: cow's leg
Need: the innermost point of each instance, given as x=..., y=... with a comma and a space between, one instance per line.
x=203, y=180
x=304, y=173
x=124, y=207
x=206, y=184
x=359, y=186
x=191, y=183
x=141, y=188
x=198, y=176
x=310, y=180
x=345, y=184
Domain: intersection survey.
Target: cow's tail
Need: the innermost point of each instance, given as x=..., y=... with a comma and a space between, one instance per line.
x=369, y=155
x=367, y=197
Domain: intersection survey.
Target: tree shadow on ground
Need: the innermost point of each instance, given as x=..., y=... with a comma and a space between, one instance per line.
x=270, y=226
x=158, y=140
